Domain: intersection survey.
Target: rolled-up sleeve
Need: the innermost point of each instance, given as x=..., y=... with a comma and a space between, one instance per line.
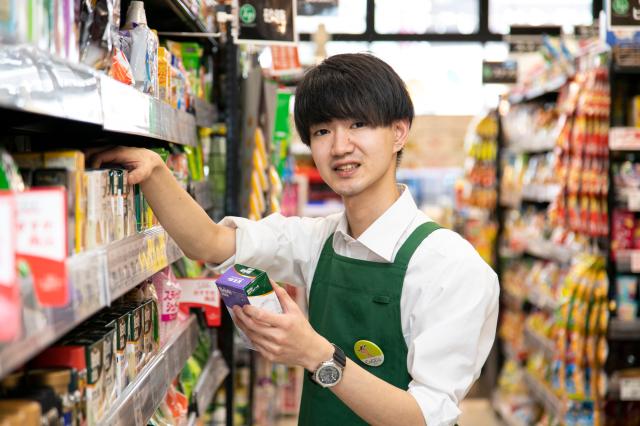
x=452, y=316
x=287, y=248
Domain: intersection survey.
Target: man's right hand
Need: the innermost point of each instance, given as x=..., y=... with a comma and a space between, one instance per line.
x=140, y=162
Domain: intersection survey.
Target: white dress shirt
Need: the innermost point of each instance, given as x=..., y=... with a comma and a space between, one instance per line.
x=449, y=302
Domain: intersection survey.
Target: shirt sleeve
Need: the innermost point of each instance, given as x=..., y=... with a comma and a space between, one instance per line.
x=453, y=317
x=287, y=248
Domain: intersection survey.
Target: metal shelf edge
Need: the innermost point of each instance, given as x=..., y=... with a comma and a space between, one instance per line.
x=141, y=398
x=213, y=374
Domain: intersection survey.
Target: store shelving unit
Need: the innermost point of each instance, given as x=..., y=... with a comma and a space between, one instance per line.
x=211, y=378
x=544, y=395
x=550, y=88
x=56, y=89
x=97, y=278
x=624, y=330
x=141, y=398
x=42, y=94
x=539, y=343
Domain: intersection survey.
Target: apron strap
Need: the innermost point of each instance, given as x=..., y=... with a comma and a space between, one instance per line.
x=415, y=239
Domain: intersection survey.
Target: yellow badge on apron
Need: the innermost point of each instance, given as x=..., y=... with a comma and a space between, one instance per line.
x=369, y=353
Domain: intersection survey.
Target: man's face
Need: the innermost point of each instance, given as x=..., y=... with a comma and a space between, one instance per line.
x=352, y=156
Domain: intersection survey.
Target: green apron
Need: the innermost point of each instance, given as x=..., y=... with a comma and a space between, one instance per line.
x=351, y=300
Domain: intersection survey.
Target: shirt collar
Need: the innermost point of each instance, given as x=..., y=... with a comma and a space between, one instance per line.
x=383, y=235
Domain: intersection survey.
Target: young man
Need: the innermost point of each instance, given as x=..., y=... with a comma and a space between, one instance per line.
x=402, y=314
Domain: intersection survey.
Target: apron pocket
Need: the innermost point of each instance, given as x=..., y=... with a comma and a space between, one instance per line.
x=384, y=300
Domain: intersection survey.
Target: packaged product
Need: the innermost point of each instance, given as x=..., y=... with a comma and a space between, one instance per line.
x=58, y=379
x=10, y=177
x=120, y=68
x=242, y=285
x=627, y=297
x=135, y=343
x=96, y=39
x=98, y=208
x=85, y=355
x=28, y=412
x=164, y=75
x=143, y=56
x=168, y=290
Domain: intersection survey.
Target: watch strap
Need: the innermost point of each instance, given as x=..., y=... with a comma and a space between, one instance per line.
x=339, y=357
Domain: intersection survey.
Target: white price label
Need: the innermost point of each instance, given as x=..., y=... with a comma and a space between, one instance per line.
x=635, y=261
x=200, y=291
x=42, y=223
x=125, y=108
x=633, y=201
x=7, y=239
x=630, y=389
x=624, y=138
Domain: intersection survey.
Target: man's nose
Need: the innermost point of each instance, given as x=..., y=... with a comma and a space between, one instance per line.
x=342, y=143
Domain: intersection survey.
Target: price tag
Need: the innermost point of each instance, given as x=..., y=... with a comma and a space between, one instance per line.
x=630, y=389
x=633, y=200
x=10, y=306
x=42, y=243
x=204, y=294
x=635, y=261
x=624, y=138
x=7, y=239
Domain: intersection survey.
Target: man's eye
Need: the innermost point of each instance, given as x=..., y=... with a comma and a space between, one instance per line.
x=320, y=132
x=358, y=124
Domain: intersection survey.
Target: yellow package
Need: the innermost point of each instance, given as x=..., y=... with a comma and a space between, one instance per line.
x=164, y=74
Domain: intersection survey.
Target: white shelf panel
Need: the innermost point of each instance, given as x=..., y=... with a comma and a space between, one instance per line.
x=212, y=376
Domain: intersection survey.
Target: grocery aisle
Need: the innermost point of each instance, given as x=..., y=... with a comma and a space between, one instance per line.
x=525, y=141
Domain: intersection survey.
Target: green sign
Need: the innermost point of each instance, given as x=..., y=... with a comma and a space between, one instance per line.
x=247, y=14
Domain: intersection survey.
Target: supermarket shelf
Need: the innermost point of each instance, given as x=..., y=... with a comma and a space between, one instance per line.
x=550, y=87
x=40, y=83
x=628, y=261
x=540, y=193
x=544, y=303
x=629, y=198
x=549, y=250
x=511, y=300
x=624, y=139
x=502, y=409
x=629, y=70
x=96, y=278
x=134, y=259
x=127, y=110
x=538, y=343
x=511, y=353
x=201, y=192
x=212, y=376
x=532, y=147
x=206, y=113
x=624, y=330
x=141, y=398
x=543, y=394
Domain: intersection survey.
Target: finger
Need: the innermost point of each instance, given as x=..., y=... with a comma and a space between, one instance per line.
x=254, y=327
x=262, y=315
x=136, y=176
x=107, y=156
x=287, y=303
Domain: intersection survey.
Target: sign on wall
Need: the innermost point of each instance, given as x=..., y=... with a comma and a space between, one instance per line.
x=266, y=22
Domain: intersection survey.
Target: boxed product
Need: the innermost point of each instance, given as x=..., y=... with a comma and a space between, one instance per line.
x=86, y=357
x=135, y=343
x=73, y=162
x=98, y=208
x=242, y=285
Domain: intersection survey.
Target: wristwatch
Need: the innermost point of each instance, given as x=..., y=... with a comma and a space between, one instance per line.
x=329, y=373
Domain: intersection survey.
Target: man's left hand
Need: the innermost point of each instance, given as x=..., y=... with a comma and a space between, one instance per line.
x=285, y=338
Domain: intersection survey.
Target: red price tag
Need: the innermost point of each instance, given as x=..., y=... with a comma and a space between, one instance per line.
x=201, y=293
x=10, y=305
x=42, y=243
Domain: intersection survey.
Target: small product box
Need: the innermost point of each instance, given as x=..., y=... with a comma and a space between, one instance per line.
x=242, y=285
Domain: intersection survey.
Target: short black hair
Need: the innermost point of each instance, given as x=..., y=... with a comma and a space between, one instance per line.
x=355, y=86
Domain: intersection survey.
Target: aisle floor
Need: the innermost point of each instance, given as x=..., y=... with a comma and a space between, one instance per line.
x=475, y=412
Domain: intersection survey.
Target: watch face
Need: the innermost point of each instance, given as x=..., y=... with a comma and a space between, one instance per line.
x=328, y=375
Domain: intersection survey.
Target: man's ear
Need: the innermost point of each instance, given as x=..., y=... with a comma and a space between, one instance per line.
x=400, y=134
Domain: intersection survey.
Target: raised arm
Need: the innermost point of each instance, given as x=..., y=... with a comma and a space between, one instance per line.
x=187, y=223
